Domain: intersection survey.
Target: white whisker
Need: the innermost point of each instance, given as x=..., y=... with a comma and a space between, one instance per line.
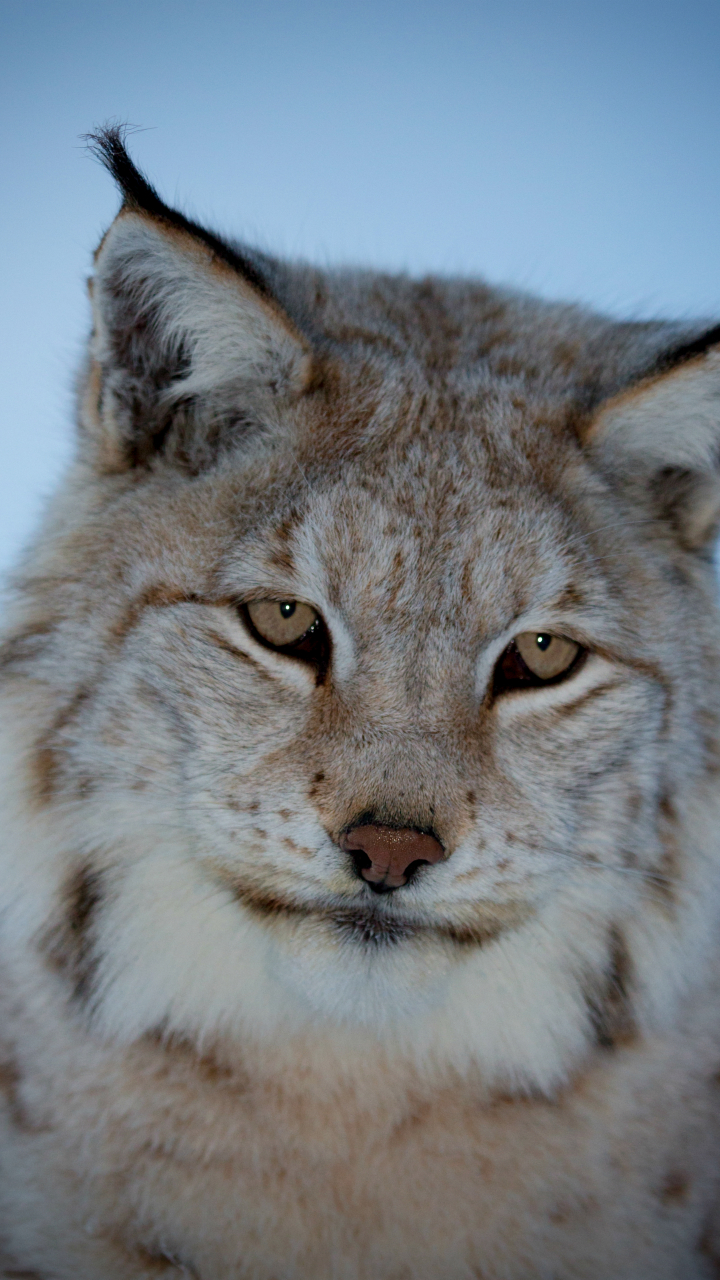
x=593, y=864
x=617, y=524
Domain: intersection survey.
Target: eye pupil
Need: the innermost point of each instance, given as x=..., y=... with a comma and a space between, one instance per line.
x=536, y=658
x=292, y=627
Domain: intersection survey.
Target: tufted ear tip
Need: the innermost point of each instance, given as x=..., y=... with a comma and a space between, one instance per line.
x=107, y=144
x=190, y=348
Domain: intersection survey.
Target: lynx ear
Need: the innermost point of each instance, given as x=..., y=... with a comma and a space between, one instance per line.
x=190, y=350
x=660, y=441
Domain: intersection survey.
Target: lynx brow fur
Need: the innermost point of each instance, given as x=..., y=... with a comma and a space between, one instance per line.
x=222, y=1054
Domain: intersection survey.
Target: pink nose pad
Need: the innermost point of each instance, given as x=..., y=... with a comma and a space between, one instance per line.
x=391, y=852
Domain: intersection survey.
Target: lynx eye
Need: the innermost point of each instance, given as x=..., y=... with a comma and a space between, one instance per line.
x=281, y=623
x=292, y=628
x=535, y=658
x=546, y=655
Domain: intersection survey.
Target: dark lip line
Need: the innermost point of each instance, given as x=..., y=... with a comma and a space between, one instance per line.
x=360, y=924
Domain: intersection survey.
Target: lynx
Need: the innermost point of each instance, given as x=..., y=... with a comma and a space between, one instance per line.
x=360, y=868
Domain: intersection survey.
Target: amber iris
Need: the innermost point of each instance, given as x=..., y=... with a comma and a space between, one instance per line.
x=535, y=658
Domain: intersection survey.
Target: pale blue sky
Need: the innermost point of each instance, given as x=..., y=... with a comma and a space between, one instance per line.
x=568, y=148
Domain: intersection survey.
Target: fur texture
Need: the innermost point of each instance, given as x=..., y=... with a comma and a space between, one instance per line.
x=224, y=1055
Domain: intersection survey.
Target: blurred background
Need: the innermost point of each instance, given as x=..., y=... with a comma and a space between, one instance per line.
x=567, y=148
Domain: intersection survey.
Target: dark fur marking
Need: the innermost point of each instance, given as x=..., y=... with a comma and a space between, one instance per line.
x=586, y=699
x=471, y=798
x=350, y=334
x=571, y=598
x=609, y=1009
x=10, y=1088
x=47, y=756
x=670, y=864
x=363, y=924
x=282, y=558
x=468, y=934
x=368, y=929
x=161, y=1260
x=69, y=945
x=314, y=787
x=45, y=772
x=149, y=1257
x=152, y=697
x=685, y=351
x=414, y=1119
x=709, y=1246
x=226, y=645
x=675, y=1188
x=650, y=670
x=23, y=647
x=156, y=597
x=181, y=1051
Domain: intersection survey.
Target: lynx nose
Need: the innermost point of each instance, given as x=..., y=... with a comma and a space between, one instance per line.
x=387, y=857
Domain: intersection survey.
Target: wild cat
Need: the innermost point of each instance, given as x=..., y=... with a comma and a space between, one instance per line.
x=360, y=811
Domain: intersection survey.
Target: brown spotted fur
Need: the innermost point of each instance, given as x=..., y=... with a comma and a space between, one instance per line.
x=222, y=1056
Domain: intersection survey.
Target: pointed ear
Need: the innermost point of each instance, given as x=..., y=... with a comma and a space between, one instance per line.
x=190, y=350
x=660, y=442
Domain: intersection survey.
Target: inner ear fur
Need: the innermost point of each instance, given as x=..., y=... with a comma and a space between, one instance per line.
x=660, y=443
x=187, y=354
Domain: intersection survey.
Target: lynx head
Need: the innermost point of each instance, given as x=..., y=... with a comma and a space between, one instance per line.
x=366, y=667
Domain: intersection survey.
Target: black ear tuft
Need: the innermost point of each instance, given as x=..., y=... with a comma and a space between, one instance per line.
x=190, y=350
x=108, y=144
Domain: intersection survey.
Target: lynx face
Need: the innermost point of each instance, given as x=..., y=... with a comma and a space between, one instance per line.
x=367, y=662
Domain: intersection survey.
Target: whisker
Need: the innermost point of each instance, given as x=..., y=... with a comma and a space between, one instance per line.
x=302, y=473
x=594, y=864
x=616, y=524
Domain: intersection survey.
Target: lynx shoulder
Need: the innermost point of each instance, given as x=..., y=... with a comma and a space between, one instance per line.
x=359, y=724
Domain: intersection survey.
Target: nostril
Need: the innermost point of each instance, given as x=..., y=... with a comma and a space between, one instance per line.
x=410, y=871
x=388, y=857
x=380, y=886
x=385, y=884
x=361, y=860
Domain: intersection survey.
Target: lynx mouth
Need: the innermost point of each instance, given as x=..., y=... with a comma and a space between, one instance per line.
x=366, y=922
